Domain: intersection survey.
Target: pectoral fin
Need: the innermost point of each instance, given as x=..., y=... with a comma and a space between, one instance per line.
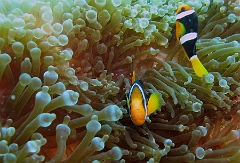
x=128, y=102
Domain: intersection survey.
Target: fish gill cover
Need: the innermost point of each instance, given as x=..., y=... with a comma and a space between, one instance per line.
x=66, y=67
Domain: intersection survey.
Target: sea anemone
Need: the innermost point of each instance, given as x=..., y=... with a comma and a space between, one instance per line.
x=66, y=67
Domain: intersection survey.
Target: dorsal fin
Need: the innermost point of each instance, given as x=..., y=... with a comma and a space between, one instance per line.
x=133, y=76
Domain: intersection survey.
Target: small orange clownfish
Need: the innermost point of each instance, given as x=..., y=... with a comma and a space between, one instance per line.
x=186, y=33
x=137, y=102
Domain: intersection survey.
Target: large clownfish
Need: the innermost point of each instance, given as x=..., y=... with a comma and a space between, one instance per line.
x=186, y=33
x=137, y=102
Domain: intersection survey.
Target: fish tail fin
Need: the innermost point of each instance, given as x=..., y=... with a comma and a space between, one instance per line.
x=198, y=66
x=154, y=103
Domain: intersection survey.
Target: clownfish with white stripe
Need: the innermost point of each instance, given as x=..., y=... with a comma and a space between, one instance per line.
x=137, y=102
x=186, y=33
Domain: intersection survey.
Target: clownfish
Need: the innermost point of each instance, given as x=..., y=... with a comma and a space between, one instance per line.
x=137, y=102
x=186, y=34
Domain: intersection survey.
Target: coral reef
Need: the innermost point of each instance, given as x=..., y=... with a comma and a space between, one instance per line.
x=65, y=70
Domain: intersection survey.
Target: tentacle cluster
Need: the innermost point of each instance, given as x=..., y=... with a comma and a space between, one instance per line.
x=65, y=68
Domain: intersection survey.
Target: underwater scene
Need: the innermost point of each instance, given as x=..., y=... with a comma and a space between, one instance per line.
x=119, y=81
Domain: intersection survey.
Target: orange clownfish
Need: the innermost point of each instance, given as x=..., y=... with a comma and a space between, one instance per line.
x=137, y=102
x=186, y=33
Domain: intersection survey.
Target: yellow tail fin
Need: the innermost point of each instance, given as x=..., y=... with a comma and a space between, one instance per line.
x=198, y=66
x=154, y=103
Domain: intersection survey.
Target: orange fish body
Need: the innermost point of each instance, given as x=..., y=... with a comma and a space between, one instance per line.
x=138, y=113
x=186, y=33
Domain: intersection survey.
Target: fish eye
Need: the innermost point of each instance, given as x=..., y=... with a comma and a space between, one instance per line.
x=141, y=82
x=182, y=9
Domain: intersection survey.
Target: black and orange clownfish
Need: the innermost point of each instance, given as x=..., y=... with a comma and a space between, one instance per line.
x=137, y=102
x=186, y=33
